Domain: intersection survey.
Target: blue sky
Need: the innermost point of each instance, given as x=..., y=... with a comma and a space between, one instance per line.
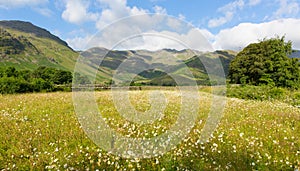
x=226, y=24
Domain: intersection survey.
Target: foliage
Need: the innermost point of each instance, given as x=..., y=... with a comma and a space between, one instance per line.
x=41, y=79
x=266, y=63
x=264, y=92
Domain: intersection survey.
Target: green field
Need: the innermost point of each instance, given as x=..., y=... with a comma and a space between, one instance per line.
x=41, y=131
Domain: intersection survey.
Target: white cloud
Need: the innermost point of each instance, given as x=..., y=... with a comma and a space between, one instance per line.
x=146, y=31
x=140, y=30
x=174, y=23
x=236, y=38
x=208, y=35
x=233, y=6
x=21, y=3
x=44, y=11
x=115, y=10
x=159, y=10
x=288, y=8
x=77, y=12
x=245, y=33
x=221, y=20
x=254, y=2
x=193, y=39
x=228, y=11
x=78, y=43
x=118, y=22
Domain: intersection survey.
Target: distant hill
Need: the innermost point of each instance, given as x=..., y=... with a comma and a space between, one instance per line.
x=295, y=54
x=156, y=67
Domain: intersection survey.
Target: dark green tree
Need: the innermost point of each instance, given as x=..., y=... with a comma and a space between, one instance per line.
x=266, y=63
x=11, y=72
x=62, y=77
x=41, y=79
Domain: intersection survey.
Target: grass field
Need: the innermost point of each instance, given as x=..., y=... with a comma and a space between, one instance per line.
x=41, y=131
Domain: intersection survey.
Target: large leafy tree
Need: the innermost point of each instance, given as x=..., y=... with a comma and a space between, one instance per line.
x=266, y=63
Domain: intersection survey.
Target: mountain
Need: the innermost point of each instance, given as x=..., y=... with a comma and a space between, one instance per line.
x=28, y=27
x=295, y=54
x=157, y=67
x=26, y=46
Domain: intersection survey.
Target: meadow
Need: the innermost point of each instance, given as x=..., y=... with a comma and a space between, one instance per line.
x=41, y=131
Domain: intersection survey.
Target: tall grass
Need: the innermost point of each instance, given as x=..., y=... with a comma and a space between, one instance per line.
x=41, y=131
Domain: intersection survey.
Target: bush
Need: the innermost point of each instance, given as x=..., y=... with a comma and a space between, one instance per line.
x=41, y=79
x=39, y=85
x=10, y=85
x=289, y=96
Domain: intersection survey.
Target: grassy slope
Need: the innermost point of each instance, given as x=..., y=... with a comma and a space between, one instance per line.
x=41, y=131
x=51, y=54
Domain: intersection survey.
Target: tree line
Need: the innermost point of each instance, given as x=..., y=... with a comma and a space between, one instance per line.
x=42, y=79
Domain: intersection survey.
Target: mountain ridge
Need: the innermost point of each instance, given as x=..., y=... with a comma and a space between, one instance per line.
x=156, y=67
x=28, y=27
x=29, y=49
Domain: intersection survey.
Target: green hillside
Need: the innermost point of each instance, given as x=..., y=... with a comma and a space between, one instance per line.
x=26, y=46
x=157, y=67
x=28, y=27
x=28, y=51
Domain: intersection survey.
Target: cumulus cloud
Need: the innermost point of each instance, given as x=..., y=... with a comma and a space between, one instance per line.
x=228, y=11
x=122, y=35
x=159, y=10
x=79, y=43
x=141, y=30
x=21, y=3
x=114, y=10
x=148, y=31
x=241, y=35
x=154, y=40
x=124, y=27
x=221, y=20
x=76, y=11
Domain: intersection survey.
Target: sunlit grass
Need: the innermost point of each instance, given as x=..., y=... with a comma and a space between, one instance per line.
x=41, y=131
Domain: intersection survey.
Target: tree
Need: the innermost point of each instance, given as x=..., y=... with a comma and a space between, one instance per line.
x=266, y=63
x=62, y=77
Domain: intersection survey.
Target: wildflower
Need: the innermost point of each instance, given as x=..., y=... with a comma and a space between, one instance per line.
x=241, y=134
x=156, y=161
